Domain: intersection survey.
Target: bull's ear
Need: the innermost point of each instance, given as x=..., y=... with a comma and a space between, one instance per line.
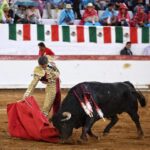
x=66, y=115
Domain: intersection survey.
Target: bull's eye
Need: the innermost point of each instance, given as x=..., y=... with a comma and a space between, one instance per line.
x=64, y=125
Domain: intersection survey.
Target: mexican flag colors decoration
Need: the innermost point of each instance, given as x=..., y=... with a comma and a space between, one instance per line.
x=75, y=33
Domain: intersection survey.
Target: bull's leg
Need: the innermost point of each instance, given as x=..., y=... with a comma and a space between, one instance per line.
x=91, y=134
x=66, y=134
x=114, y=120
x=135, y=118
x=87, y=128
x=84, y=134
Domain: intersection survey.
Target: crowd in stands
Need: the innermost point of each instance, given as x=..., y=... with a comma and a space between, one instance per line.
x=115, y=12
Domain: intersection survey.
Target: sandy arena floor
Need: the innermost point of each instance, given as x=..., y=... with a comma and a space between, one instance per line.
x=122, y=137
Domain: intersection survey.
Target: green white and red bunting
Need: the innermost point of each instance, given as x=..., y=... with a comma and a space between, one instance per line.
x=101, y=34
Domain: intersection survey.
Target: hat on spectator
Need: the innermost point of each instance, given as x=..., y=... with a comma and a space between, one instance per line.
x=90, y=5
x=68, y=6
x=123, y=6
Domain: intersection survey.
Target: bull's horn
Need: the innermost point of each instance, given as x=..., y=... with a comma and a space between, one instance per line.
x=67, y=115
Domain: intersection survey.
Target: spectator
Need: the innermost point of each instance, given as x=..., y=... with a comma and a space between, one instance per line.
x=130, y=5
x=76, y=8
x=20, y=15
x=40, y=6
x=139, y=3
x=33, y=15
x=123, y=17
x=148, y=23
x=146, y=50
x=47, y=73
x=90, y=16
x=43, y=50
x=140, y=19
x=126, y=50
x=117, y=3
x=1, y=13
x=6, y=16
x=3, y=3
x=11, y=10
x=147, y=7
x=101, y=4
x=67, y=16
x=53, y=4
x=109, y=16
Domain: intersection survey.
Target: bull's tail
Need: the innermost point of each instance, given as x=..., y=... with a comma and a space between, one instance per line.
x=140, y=98
x=138, y=94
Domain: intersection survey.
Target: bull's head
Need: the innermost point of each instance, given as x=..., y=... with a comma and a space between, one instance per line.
x=63, y=122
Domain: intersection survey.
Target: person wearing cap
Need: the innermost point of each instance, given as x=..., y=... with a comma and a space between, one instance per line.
x=47, y=73
x=67, y=16
x=90, y=16
x=109, y=16
x=123, y=17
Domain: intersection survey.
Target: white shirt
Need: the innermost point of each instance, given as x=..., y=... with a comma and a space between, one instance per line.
x=146, y=50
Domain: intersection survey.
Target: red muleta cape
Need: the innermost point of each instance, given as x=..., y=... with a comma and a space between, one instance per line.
x=25, y=120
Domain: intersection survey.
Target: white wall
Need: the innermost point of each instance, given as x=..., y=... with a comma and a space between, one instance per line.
x=61, y=48
x=17, y=74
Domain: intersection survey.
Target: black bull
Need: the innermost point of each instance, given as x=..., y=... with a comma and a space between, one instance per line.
x=112, y=98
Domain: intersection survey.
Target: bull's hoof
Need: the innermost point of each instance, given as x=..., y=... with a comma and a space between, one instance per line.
x=105, y=133
x=84, y=138
x=140, y=137
x=81, y=141
x=69, y=141
x=95, y=137
x=140, y=134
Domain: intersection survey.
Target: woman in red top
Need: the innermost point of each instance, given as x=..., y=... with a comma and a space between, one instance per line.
x=123, y=17
x=140, y=18
x=43, y=50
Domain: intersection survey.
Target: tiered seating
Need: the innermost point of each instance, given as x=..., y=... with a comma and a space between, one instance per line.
x=56, y=13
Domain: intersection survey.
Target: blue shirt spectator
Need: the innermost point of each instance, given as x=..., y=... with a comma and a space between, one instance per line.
x=109, y=16
x=66, y=16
